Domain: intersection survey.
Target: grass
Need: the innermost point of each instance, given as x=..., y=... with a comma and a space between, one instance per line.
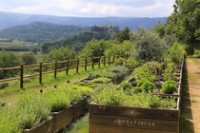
x=13, y=91
x=81, y=126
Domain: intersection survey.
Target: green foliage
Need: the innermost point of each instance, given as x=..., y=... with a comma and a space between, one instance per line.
x=119, y=70
x=60, y=54
x=175, y=53
x=8, y=59
x=184, y=23
x=159, y=28
x=169, y=71
x=146, y=85
x=31, y=110
x=88, y=84
x=108, y=96
x=41, y=32
x=78, y=41
x=28, y=58
x=169, y=87
x=82, y=126
x=9, y=122
x=129, y=63
x=149, y=46
x=57, y=99
x=3, y=85
x=149, y=70
x=123, y=35
x=95, y=48
x=126, y=86
x=101, y=80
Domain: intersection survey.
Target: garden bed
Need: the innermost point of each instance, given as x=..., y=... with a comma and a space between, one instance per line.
x=108, y=119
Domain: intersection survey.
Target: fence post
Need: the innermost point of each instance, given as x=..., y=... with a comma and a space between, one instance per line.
x=55, y=69
x=40, y=75
x=104, y=61
x=21, y=76
x=92, y=62
x=77, y=65
x=113, y=59
x=67, y=70
x=109, y=60
x=85, y=63
x=99, y=63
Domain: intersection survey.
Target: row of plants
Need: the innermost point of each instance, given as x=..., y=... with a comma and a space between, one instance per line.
x=139, y=104
x=31, y=111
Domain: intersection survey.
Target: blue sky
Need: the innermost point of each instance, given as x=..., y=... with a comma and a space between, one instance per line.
x=91, y=8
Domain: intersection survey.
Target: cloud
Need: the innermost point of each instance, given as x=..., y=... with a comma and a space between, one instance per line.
x=91, y=8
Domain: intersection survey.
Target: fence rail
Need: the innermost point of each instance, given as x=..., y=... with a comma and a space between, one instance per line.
x=59, y=66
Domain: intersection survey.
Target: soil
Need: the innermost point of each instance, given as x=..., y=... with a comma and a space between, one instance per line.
x=190, y=111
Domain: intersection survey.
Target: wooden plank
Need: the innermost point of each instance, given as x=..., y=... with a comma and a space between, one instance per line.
x=21, y=76
x=130, y=122
x=146, y=113
x=113, y=129
x=9, y=79
x=10, y=68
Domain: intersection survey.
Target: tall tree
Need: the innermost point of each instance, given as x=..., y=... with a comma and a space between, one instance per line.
x=185, y=22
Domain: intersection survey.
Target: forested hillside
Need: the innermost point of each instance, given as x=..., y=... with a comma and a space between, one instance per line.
x=41, y=32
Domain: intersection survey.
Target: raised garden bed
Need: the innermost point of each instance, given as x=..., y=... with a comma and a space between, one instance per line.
x=62, y=119
x=120, y=119
x=44, y=127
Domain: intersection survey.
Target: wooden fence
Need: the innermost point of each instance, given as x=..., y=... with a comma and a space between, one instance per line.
x=58, y=66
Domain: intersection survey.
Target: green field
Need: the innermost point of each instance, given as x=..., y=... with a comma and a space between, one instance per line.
x=18, y=46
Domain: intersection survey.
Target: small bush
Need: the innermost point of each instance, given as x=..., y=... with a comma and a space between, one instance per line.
x=169, y=87
x=57, y=100
x=3, y=85
x=119, y=70
x=88, y=84
x=137, y=89
x=169, y=71
x=31, y=110
x=126, y=86
x=101, y=80
x=146, y=85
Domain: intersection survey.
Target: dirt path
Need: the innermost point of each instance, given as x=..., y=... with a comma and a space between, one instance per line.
x=190, y=115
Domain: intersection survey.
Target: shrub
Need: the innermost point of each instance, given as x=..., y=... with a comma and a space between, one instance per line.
x=137, y=89
x=149, y=46
x=105, y=74
x=9, y=122
x=87, y=84
x=119, y=70
x=101, y=80
x=169, y=71
x=169, y=87
x=149, y=70
x=127, y=87
x=57, y=100
x=146, y=85
x=31, y=110
x=108, y=96
x=3, y=85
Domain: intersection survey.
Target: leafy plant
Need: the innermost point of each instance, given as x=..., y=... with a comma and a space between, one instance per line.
x=57, y=100
x=101, y=80
x=9, y=122
x=31, y=110
x=146, y=85
x=169, y=71
x=169, y=87
x=119, y=70
x=127, y=87
x=149, y=70
x=3, y=85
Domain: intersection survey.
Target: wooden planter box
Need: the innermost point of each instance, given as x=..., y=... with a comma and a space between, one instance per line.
x=44, y=127
x=80, y=108
x=62, y=119
x=120, y=119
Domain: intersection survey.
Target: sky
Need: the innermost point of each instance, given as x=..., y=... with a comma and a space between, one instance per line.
x=91, y=8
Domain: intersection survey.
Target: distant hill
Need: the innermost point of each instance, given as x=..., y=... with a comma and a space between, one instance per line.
x=8, y=20
x=41, y=32
x=78, y=41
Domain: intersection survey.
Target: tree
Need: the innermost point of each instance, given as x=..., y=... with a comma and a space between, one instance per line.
x=149, y=46
x=159, y=28
x=28, y=58
x=60, y=54
x=185, y=23
x=123, y=35
x=8, y=59
x=95, y=48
